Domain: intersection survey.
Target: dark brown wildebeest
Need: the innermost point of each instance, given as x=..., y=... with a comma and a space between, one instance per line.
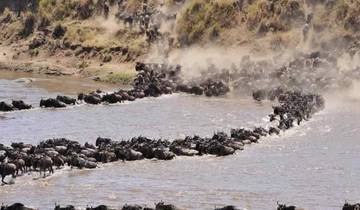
x=45, y=163
x=7, y=169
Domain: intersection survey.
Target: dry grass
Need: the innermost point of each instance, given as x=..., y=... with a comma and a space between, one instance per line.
x=125, y=78
x=204, y=19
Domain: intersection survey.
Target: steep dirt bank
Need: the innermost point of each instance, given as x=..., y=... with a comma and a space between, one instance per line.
x=102, y=39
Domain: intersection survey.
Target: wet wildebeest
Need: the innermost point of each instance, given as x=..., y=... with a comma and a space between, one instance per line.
x=5, y=107
x=20, y=105
x=284, y=207
x=132, y=207
x=45, y=163
x=7, y=169
x=69, y=207
x=20, y=165
x=15, y=206
x=227, y=208
x=54, y=103
x=292, y=105
x=163, y=206
x=66, y=100
x=348, y=206
x=100, y=207
x=58, y=161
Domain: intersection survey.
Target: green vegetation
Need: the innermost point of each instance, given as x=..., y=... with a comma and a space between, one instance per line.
x=125, y=78
x=280, y=15
x=58, y=9
x=204, y=18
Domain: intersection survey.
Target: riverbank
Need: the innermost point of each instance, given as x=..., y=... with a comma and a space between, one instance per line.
x=11, y=59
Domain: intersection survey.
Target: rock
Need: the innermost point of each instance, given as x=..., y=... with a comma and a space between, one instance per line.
x=24, y=80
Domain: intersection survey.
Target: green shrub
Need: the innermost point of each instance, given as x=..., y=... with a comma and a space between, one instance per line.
x=125, y=78
x=58, y=9
x=201, y=18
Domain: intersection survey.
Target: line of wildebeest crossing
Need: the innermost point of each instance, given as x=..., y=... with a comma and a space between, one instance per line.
x=293, y=108
x=159, y=206
x=152, y=80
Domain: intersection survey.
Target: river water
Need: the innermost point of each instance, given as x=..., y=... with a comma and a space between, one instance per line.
x=315, y=165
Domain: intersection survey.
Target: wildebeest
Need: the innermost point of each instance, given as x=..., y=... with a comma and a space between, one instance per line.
x=227, y=208
x=20, y=165
x=69, y=207
x=284, y=207
x=45, y=163
x=348, y=206
x=16, y=206
x=18, y=6
x=7, y=169
x=52, y=103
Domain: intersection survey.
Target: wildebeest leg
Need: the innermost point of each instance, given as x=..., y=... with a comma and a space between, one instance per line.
x=2, y=180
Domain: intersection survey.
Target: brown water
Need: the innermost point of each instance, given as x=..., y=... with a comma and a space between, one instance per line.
x=315, y=166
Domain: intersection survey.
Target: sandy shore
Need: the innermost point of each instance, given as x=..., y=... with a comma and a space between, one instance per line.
x=17, y=58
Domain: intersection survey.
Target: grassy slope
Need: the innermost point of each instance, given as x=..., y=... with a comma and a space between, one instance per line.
x=220, y=21
x=199, y=22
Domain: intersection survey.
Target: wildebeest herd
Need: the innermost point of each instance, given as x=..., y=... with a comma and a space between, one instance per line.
x=293, y=107
x=158, y=206
x=308, y=72
x=152, y=80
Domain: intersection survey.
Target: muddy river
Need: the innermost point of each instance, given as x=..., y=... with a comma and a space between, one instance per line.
x=315, y=165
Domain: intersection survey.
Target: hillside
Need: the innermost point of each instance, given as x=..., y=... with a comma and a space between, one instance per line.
x=103, y=38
